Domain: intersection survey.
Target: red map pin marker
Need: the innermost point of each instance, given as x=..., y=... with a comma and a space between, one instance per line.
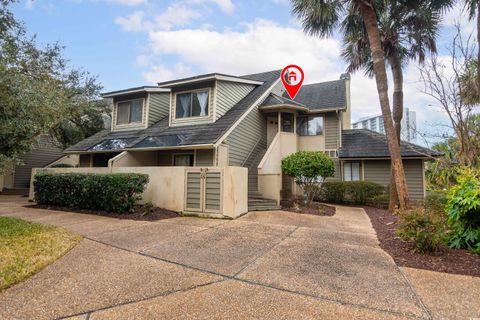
x=292, y=78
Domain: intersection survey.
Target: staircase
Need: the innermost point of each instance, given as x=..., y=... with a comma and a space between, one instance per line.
x=256, y=202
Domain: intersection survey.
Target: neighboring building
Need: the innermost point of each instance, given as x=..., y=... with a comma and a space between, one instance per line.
x=213, y=144
x=408, y=127
x=16, y=180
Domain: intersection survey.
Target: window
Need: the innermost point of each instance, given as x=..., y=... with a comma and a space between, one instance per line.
x=192, y=104
x=183, y=160
x=287, y=122
x=310, y=126
x=351, y=171
x=130, y=111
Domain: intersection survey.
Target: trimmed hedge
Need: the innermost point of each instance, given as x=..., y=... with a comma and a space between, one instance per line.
x=62, y=165
x=114, y=192
x=358, y=192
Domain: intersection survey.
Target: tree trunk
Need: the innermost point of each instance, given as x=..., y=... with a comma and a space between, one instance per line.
x=478, y=44
x=370, y=19
x=397, y=103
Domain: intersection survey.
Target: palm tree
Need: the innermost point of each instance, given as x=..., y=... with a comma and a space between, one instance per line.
x=406, y=35
x=321, y=18
x=473, y=8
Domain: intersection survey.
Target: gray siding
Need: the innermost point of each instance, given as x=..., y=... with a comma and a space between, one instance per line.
x=228, y=94
x=158, y=106
x=379, y=171
x=42, y=154
x=244, y=137
x=332, y=130
x=337, y=175
x=278, y=89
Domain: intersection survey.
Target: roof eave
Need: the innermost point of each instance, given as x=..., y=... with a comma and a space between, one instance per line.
x=180, y=82
x=113, y=94
x=190, y=146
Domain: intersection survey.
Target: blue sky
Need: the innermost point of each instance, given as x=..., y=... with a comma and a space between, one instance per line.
x=129, y=43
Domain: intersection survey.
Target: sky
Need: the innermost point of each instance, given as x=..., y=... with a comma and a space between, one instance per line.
x=129, y=43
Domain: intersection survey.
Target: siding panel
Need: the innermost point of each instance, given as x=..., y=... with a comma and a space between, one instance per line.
x=158, y=106
x=228, y=94
x=331, y=131
x=379, y=171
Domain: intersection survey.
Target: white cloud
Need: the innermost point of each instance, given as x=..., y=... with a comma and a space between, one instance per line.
x=282, y=2
x=134, y=22
x=29, y=4
x=176, y=15
x=224, y=5
x=127, y=2
x=160, y=72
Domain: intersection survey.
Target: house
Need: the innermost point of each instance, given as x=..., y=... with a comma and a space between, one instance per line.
x=16, y=178
x=213, y=144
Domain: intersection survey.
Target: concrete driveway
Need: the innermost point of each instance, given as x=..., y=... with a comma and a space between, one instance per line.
x=266, y=265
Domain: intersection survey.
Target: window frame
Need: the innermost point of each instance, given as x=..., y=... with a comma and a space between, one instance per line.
x=208, y=115
x=350, y=163
x=129, y=112
x=298, y=120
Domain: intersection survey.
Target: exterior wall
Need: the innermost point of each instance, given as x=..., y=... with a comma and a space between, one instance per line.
x=311, y=143
x=42, y=154
x=346, y=115
x=166, y=187
x=228, y=94
x=269, y=185
x=193, y=120
x=125, y=127
x=379, y=171
x=242, y=140
x=71, y=159
x=134, y=159
x=332, y=130
x=158, y=106
x=204, y=158
x=221, y=155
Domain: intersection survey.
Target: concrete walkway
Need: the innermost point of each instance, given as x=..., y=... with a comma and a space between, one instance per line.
x=268, y=265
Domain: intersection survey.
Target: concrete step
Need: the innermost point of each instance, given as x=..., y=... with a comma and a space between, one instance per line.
x=263, y=208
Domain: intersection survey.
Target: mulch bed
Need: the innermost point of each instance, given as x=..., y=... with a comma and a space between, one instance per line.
x=315, y=208
x=447, y=260
x=155, y=214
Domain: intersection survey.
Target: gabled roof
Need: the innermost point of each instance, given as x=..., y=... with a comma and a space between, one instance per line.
x=274, y=101
x=133, y=90
x=323, y=96
x=161, y=135
x=364, y=143
x=206, y=77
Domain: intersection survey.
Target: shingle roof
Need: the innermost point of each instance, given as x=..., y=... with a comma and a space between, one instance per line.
x=192, y=134
x=274, y=99
x=323, y=95
x=364, y=143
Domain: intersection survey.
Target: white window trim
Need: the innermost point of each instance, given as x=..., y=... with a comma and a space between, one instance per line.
x=312, y=116
x=130, y=124
x=188, y=119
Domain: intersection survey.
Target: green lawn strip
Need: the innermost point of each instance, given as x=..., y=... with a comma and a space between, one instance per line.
x=26, y=248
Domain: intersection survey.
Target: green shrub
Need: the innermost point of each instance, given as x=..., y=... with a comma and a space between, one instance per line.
x=333, y=191
x=362, y=191
x=425, y=228
x=309, y=168
x=379, y=201
x=62, y=165
x=436, y=201
x=115, y=192
x=463, y=210
x=357, y=192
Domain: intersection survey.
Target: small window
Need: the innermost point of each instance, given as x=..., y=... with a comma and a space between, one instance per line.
x=192, y=104
x=287, y=122
x=310, y=126
x=351, y=171
x=183, y=160
x=129, y=111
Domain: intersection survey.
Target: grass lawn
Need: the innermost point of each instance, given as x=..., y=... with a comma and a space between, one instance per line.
x=26, y=248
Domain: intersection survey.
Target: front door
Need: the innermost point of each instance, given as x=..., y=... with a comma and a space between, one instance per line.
x=272, y=128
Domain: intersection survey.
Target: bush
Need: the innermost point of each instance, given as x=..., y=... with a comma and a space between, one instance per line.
x=380, y=201
x=358, y=192
x=333, y=191
x=309, y=168
x=436, y=201
x=425, y=228
x=362, y=191
x=463, y=210
x=116, y=192
x=62, y=165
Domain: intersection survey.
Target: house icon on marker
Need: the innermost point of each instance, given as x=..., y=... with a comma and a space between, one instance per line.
x=292, y=76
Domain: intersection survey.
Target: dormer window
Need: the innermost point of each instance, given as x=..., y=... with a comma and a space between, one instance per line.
x=192, y=104
x=129, y=112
